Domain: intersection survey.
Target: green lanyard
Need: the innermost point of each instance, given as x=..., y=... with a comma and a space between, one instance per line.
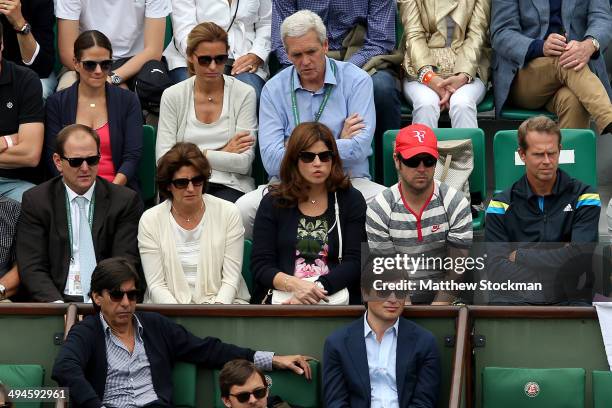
x=328, y=91
x=90, y=219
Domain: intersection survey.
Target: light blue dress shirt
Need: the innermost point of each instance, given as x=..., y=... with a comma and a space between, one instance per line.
x=352, y=93
x=381, y=365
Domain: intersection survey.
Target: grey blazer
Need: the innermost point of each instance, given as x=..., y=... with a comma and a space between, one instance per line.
x=515, y=23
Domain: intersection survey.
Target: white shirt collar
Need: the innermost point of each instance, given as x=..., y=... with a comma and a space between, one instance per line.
x=88, y=194
x=367, y=329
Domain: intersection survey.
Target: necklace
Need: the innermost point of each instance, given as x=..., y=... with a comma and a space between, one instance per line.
x=188, y=219
x=92, y=105
x=313, y=202
x=210, y=99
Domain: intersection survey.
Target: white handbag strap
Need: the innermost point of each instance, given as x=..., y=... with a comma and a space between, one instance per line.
x=337, y=225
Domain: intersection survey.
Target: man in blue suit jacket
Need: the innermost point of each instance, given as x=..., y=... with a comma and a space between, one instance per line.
x=546, y=54
x=382, y=359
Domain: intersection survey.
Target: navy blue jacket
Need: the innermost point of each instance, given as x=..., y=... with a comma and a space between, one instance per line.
x=346, y=377
x=124, y=120
x=81, y=363
x=275, y=238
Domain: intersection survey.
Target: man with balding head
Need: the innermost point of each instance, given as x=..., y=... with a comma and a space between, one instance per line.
x=72, y=221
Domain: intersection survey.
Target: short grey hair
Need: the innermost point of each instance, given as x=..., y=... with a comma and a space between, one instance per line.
x=300, y=23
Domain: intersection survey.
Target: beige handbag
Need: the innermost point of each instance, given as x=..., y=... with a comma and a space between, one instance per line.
x=445, y=63
x=339, y=298
x=455, y=164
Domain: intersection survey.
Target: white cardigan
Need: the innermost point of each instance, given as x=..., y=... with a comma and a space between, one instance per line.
x=219, y=274
x=230, y=169
x=250, y=33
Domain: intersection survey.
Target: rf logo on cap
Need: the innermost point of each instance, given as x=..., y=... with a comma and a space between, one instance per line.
x=419, y=134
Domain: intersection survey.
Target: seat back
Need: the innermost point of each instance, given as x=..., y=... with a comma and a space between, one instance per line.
x=602, y=389
x=533, y=387
x=578, y=157
x=292, y=388
x=184, y=385
x=147, y=167
x=168, y=34
x=246, y=264
x=22, y=376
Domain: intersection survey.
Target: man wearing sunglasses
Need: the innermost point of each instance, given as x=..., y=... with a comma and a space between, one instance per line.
x=381, y=360
x=21, y=127
x=419, y=216
x=118, y=357
x=72, y=221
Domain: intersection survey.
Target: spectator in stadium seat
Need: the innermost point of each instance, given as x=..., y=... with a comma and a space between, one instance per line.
x=70, y=222
x=247, y=23
x=316, y=88
x=309, y=228
x=117, y=347
x=546, y=54
x=21, y=127
x=191, y=244
x=420, y=216
x=29, y=38
x=113, y=112
x=135, y=28
x=546, y=205
x=447, y=59
x=9, y=277
x=382, y=359
x=243, y=385
x=361, y=32
x=214, y=111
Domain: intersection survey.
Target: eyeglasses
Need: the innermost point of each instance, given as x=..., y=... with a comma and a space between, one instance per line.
x=258, y=393
x=90, y=66
x=308, y=157
x=117, y=295
x=386, y=294
x=205, y=60
x=182, y=183
x=78, y=161
x=414, y=162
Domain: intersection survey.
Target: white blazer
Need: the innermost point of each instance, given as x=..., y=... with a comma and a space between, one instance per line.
x=250, y=32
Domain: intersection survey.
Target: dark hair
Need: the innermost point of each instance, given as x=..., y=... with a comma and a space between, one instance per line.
x=293, y=188
x=62, y=136
x=181, y=154
x=110, y=273
x=91, y=38
x=542, y=124
x=204, y=32
x=237, y=372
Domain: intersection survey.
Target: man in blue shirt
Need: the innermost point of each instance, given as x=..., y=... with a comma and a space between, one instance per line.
x=315, y=88
x=343, y=20
x=546, y=55
x=382, y=359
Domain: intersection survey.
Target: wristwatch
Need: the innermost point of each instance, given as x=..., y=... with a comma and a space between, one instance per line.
x=115, y=79
x=595, y=43
x=2, y=292
x=25, y=30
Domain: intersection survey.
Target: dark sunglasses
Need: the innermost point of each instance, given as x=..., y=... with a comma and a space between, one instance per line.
x=205, y=60
x=243, y=397
x=308, y=157
x=78, y=161
x=386, y=294
x=117, y=295
x=90, y=66
x=414, y=162
x=182, y=183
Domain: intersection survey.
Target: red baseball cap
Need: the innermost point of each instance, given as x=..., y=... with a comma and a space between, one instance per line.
x=416, y=139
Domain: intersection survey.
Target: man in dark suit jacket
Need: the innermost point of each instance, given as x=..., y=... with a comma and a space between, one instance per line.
x=44, y=253
x=119, y=358
x=382, y=359
x=546, y=54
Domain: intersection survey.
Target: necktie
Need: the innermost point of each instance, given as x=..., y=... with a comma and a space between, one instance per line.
x=87, y=255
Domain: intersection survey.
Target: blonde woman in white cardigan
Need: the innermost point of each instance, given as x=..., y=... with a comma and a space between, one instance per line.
x=214, y=111
x=191, y=245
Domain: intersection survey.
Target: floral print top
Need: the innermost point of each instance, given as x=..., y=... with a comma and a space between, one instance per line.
x=311, y=247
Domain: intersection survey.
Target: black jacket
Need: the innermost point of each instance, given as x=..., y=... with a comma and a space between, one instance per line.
x=275, y=237
x=81, y=363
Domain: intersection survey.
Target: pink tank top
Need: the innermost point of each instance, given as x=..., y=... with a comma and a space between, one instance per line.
x=106, y=168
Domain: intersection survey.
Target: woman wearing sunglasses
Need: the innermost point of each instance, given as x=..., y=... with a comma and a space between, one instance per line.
x=308, y=230
x=191, y=244
x=113, y=112
x=243, y=385
x=214, y=111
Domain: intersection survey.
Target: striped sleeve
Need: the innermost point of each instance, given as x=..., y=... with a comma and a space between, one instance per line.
x=460, y=231
x=378, y=217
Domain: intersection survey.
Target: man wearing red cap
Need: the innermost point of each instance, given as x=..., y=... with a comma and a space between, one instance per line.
x=429, y=221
